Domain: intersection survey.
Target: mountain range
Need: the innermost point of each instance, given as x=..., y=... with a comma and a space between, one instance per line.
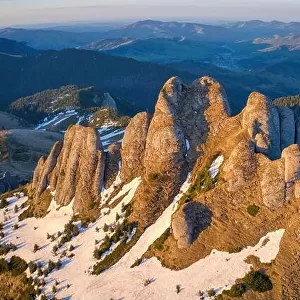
x=49, y=38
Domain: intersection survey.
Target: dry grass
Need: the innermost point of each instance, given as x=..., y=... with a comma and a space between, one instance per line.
x=3, y=149
x=37, y=207
x=15, y=288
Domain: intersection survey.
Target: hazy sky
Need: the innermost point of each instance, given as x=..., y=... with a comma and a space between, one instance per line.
x=50, y=11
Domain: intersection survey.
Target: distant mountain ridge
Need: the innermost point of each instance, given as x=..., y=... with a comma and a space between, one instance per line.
x=58, y=39
x=11, y=47
x=291, y=42
x=227, y=32
x=49, y=39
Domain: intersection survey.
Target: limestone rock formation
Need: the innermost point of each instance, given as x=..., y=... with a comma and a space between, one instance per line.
x=133, y=146
x=261, y=120
x=184, y=118
x=112, y=164
x=109, y=101
x=74, y=170
x=272, y=182
x=165, y=144
x=240, y=166
x=189, y=221
x=291, y=158
x=44, y=168
x=287, y=127
x=247, y=191
x=202, y=112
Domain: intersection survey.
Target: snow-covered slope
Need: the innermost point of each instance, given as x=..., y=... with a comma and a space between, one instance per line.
x=219, y=270
x=62, y=120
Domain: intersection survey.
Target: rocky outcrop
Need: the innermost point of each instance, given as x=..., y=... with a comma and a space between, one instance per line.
x=240, y=166
x=165, y=144
x=287, y=127
x=133, y=146
x=189, y=124
x=109, y=101
x=272, y=182
x=184, y=118
x=189, y=221
x=112, y=164
x=202, y=112
x=261, y=120
x=73, y=170
x=44, y=168
x=216, y=107
x=291, y=158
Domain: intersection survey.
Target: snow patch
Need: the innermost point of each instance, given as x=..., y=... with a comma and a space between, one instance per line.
x=215, y=166
x=218, y=271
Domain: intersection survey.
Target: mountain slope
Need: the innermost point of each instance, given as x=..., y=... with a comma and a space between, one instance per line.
x=79, y=103
x=291, y=42
x=49, y=39
x=11, y=47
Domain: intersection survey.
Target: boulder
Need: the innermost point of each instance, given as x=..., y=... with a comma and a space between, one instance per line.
x=189, y=221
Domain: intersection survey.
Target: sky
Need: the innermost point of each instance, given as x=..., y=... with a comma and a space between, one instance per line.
x=17, y=12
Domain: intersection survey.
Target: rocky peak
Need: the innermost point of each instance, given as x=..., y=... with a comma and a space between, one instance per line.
x=184, y=118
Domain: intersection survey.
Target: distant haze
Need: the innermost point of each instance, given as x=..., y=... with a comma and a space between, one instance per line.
x=14, y=12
